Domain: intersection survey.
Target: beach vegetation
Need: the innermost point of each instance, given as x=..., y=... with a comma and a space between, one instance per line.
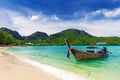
x=75, y=36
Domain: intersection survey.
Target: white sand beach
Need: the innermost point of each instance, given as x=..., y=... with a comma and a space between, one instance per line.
x=16, y=68
x=12, y=68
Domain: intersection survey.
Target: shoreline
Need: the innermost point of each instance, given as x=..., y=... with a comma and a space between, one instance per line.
x=54, y=73
x=12, y=68
x=62, y=74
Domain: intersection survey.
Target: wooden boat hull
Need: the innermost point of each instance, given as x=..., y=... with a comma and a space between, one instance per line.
x=81, y=55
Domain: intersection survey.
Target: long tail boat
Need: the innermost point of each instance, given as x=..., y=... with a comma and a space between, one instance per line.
x=89, y=54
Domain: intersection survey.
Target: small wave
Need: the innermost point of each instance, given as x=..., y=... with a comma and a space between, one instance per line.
x=62, y=74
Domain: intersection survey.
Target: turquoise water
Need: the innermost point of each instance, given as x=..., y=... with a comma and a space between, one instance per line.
x=98, y=69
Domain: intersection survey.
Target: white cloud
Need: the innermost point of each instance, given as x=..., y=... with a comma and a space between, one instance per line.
x=107, y=13
x=96, y=12
x=112, y=13
x=55, y=18
x=26, y=25
x=103, y=28
x=34, y=17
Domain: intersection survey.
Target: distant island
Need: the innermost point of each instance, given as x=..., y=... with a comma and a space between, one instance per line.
x=75, y=36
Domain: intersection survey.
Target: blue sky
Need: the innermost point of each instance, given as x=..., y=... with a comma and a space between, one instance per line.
x=97, y=17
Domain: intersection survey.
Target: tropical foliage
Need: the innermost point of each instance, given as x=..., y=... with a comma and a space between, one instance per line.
x=7, y=39
x=76, y=37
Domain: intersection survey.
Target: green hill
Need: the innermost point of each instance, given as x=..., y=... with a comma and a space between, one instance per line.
x=15, y=34
x=78, y=37
x=36, y=35
x=5, y=38
x=75, y=36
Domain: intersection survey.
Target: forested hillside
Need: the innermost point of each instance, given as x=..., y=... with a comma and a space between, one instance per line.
x=14, y=34
x=76, y=37
x=7, y=39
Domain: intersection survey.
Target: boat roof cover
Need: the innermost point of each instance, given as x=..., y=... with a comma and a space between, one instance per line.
x=92, y=47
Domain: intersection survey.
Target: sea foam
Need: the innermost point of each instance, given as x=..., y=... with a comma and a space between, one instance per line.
x=62, y=74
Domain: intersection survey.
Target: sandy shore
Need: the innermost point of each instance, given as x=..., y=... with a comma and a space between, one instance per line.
x=11, y=68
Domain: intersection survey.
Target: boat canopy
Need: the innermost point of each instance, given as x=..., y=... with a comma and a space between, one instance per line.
x=92, y=47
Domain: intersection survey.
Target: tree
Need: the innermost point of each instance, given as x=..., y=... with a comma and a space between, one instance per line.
x=5, y=38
